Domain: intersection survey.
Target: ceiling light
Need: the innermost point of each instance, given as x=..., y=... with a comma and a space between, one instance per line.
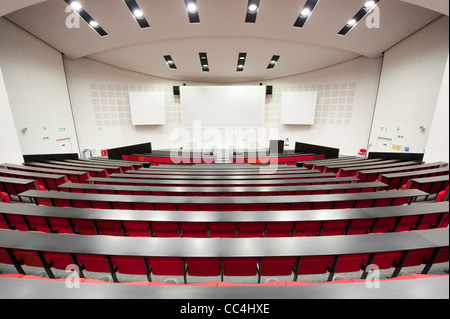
x=305, y=12
x=241, y=61
x=192, y=7
x=192, y=11
x=170, y=62
x=351, y=23
x=94, y=24
x=369, y=5
x=138, y=13
x=252, y=11
x=76, y=5
x=204, y=61
x=273, y=61
x=252, y=8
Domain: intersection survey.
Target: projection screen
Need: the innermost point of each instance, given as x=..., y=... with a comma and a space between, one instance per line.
x=223, y=106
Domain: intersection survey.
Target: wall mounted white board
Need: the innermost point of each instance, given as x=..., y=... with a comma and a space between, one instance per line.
x=147, y=108
x=223, y=106
x=298, y=108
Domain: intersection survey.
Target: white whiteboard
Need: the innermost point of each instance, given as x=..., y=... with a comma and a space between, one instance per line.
x=298, y=108
x=147, y=108
x=223, y=106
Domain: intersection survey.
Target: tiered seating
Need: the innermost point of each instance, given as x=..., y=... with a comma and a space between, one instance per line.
x=243, y=222
x=72, y=175
x=374, y=174
x=224, y=203
x=431, y=185
x=224, y=224
x=15, y=186
x=225, y=257
x=49, y=181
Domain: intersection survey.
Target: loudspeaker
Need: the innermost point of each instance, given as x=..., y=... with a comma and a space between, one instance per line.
x=269, y=89
x=176, y=90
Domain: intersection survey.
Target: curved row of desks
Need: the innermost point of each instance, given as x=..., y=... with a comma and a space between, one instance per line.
x=423, y=288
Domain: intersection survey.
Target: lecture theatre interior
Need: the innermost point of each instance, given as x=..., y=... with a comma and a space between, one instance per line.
x=224, y=150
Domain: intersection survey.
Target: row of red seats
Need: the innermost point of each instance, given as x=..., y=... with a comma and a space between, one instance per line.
x=221, y=284
x=222, y=229
x=244, y=266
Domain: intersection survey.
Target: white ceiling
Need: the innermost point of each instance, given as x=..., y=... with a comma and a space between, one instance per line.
x=222, y=33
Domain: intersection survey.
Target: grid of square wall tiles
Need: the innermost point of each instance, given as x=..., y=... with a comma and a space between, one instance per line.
x=335, y=103
x=111, y=104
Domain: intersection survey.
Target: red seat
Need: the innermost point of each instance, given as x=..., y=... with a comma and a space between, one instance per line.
x=131, y=265
x=61, y=225
x=137, y=229
x=197, y=230
x=311, y=265
x=166, y=266
x=95, y=263
x=279, y=229
x=250, y=229
x=351, y=263
x=203, y=266
x=278, y=266
x=240, y=266
x=110, y=227
x=84, y=226
x=442, y=196
x=222, y=230
x=360, y=226
x=165, y=229
x=304, y=229
x=334, y=227
x=4, y=197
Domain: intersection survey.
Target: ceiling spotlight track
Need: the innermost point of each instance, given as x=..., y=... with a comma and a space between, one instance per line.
x=241, y=61
x=252, y=11
x=137, y=13
x=368, y=6
x=170, y=62
x=78, y=8
x=305, y=13
x=273, y=61
x=204, y=61
x=192, y=11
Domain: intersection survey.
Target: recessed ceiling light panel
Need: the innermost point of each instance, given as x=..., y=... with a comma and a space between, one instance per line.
x=368, y=5
x=204, y=61
x=305, y=13
x=137, y=13
x=170, y=62
x=192, y=11
x=78, y=8
x=273, y=61
x=241, y=61
x=252, y=11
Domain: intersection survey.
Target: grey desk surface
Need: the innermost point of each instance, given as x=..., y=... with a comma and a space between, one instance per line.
x=416, y=173
x=225, y=199
x=22, y=181
x=298, y=175
x=31, y=174
x=222, y=189
x=216, y=216
x=321, y=180
x=424, y=288
x=224, y=247
x=406, y=168
x=274, y=171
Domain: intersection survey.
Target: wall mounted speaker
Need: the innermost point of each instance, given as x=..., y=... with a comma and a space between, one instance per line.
x=176, y=90
x=269, y=89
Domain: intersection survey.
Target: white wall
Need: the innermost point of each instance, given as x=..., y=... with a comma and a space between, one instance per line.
x=99, y=95
x=9, y=143
x=409, y=88
x=345, y=105
x=35, y=81
x=437, y=146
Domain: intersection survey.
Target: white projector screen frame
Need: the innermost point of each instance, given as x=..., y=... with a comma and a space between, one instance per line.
x=223, y=106
x=147, y=108
x=298, y=108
